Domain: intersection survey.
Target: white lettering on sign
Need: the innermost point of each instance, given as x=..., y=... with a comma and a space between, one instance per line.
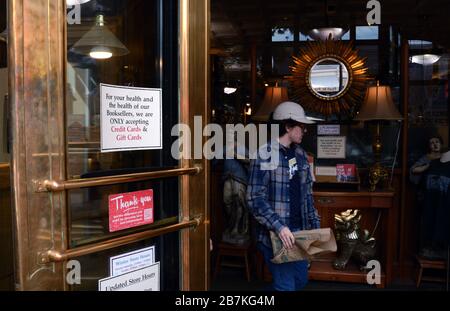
x=329, y=147
x=131, y=118
x=329, y=129
x=123, y=264
x=146, y=279
x=130, y=204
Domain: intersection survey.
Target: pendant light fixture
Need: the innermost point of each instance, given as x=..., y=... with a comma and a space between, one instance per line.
x=100, y=42
x=325, y=33
x=76, y=2
x=329, y=32
x=425, y=57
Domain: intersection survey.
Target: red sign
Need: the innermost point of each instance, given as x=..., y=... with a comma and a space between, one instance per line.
x=346, y=172
x=129, y=210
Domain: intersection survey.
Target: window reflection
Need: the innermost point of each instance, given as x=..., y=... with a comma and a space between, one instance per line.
x=120, y=43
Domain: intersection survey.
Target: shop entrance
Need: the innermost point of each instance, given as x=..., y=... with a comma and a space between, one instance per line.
x=95, y=93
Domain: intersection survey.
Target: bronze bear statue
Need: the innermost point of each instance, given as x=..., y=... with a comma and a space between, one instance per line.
x=352, y=241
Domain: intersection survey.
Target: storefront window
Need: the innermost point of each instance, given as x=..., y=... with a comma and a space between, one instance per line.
x=126, y=44
x=429, y=97
x=136, y=52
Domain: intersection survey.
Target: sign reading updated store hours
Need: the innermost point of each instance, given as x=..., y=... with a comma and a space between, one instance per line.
x=130, y=118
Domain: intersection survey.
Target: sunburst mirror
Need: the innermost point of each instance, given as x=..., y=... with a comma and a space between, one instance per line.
x=329, y=77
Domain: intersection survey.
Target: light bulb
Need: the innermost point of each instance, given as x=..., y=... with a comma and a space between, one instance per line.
x=75, y=2
x=100, y=52
x=425, y=59
x=229, y=90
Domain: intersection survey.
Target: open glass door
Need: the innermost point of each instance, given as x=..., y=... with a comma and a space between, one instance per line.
x=99, y=198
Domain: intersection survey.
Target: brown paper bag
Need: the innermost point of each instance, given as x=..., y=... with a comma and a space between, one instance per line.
x=308, y=243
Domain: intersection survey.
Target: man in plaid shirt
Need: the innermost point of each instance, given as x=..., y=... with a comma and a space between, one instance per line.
x=280, y=196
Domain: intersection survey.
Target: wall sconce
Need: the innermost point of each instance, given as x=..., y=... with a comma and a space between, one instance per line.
x=378, y=105
x=274, y=96
x=100, y=42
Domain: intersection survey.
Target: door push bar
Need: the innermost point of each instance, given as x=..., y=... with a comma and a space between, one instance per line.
x=58, y=186
x=54, y=256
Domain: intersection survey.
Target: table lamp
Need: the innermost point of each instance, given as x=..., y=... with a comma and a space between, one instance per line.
x=378, y=105
x=274, y=96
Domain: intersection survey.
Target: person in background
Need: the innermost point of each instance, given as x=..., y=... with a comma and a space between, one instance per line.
x=422, y=165
x=280, y=198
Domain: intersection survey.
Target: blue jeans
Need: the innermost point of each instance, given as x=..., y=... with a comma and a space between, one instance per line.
x=290, y=276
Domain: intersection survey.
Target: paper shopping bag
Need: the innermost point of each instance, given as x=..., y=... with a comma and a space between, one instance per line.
x=308, y=243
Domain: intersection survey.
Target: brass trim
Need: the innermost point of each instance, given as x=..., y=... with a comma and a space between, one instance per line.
x=54, y=256
x=57, y=186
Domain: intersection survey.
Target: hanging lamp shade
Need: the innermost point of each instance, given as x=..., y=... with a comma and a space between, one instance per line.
x=378, y=105
x=274, y=96
x=76, y=2
x=325, y=33
x=99, y=42
x=425, y=59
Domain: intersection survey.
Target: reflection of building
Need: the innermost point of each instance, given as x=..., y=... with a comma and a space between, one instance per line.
x=329, y=78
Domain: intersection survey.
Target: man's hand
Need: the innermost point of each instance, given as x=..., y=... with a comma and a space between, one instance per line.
x=421, y=169
x=287, y=238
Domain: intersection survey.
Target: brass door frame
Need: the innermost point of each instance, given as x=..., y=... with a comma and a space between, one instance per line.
x=37, y=69
x=194, y=98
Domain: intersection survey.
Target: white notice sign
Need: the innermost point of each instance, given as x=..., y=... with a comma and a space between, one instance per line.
x=129, y=262
x=131, y=118
x=334, y=129
x=144, y=280
x=329, y=147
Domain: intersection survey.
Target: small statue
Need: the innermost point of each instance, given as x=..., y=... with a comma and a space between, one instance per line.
x=352, y=241
x=235, y=175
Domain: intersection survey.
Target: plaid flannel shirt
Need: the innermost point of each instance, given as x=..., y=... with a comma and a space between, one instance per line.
x=268, y=193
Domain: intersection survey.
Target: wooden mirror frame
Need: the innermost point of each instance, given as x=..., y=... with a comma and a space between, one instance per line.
x=313, y=53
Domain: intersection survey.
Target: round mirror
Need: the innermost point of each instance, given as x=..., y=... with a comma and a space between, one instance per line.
x=329, y=78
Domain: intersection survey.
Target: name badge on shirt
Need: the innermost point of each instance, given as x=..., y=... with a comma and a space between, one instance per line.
x=293, y=168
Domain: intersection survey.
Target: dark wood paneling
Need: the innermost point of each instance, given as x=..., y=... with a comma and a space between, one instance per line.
x=3, y=54
x=6, y=248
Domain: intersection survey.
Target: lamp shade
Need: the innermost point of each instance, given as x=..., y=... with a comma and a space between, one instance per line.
x=99, y=40
x=378, y=105
x=274, y=96
x=425, y=59
x=335, y=33
x=76, y=2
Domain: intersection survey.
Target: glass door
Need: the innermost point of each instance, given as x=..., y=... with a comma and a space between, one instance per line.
x=99, y=198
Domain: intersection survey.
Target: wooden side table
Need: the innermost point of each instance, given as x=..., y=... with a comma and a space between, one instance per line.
x=330, y=203
x=230, y=250
x=430, y=264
